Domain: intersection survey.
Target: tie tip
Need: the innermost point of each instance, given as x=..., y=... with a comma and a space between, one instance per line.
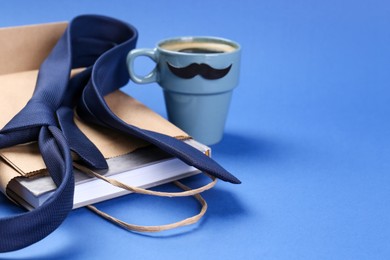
x=228, y=177
x=235, y=181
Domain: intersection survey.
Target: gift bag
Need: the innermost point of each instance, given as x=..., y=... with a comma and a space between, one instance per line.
x=61, y=110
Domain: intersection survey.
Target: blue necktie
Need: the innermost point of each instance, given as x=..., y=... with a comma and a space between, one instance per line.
x=99, y=44
x=78, y=142
x=110, y=73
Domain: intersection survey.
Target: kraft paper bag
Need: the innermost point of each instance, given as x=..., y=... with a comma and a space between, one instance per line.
x=22, y=50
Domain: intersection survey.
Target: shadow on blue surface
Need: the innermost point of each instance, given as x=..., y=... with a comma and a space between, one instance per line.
x=224, y=204
x=66, y=251
x=246, y=147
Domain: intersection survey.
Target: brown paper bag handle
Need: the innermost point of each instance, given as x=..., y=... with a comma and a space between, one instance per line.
x=140, y=228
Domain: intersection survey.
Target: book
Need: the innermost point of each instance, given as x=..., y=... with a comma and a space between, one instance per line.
x=146, y=167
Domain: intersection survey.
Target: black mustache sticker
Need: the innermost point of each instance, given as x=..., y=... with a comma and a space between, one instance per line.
x=202, y=69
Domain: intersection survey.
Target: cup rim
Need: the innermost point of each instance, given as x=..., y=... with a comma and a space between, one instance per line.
x=213, y=39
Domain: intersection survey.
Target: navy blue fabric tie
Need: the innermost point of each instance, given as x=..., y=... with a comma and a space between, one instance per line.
x=50, y=108
x=37, y=122
x=78, y=142
x=99, y=44
x=110, y=73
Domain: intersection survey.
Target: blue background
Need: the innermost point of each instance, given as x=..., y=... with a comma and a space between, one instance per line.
x=308, y=134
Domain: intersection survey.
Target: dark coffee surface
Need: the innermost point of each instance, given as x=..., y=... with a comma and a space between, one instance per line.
x=199, y=50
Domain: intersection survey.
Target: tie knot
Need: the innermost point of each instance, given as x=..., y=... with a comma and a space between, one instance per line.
x=35, y=113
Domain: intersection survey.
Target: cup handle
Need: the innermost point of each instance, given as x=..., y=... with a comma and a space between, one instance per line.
x=152, y=76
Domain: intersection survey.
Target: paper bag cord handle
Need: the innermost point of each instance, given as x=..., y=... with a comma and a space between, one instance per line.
x=189, y=192
x=158, y=228
x=141, y=228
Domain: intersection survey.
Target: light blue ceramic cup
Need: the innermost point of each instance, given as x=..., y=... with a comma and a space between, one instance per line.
x=198, y=75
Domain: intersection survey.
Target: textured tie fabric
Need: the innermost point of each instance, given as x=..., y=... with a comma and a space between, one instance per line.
x=99, y=44
x=37, y=122
x=77, y=141
x=83, y=42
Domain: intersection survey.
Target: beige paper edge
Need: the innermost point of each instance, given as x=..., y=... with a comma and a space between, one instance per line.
x=24, y=48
